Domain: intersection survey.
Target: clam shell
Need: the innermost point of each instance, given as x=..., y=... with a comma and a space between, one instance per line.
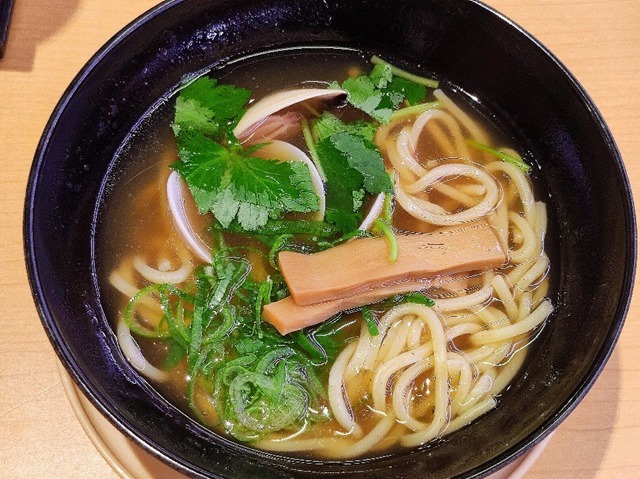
x=177, y=196
x=279, y=101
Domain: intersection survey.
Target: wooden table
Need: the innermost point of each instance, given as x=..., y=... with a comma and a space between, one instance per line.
x=599, y=40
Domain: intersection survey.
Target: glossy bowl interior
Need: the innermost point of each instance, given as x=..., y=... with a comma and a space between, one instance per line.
x=463, y=42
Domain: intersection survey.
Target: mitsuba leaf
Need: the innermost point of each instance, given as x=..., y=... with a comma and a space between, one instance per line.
x=223, y=177
x=213, y=109
x=363, y=94
x=191, y=115
x=363, y=156
x=381, y=76
x=234, y=186
x=380, y=93
x=328, y=124
x=342, y=181
x=226, y=101
x=202, y=166
x=352, y=166
x=225, y=206
x=413, y=92
x=269, y=187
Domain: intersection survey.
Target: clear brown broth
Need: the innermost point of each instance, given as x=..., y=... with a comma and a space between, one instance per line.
x=135, y=219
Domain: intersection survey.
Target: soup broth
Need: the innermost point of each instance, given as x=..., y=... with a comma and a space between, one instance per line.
x=187, y=292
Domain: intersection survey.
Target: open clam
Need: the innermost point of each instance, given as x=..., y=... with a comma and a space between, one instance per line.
x=178, y=199
x=260, y=111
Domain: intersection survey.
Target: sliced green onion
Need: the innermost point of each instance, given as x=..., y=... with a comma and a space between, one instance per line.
x=264, y=297
x=320, y=229
x=280, y=244
x=311, y=146
x=311, y=346
x=223, y=329
x=130, y=313
x=202, y=288
x=370, y=321
x=418, y=298
x=415, y=110
x=178, y=326
x=272, y=358
x=230, y=277
x=174, y=356
x=386, y=230
x=194, y=371
x=276, y=409
x=232, y=368
x=256, y=380
x=501, y=154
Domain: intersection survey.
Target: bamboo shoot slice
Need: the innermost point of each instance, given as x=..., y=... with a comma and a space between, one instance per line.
x=362, y=265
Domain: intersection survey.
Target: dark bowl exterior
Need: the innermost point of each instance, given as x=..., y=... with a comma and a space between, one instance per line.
x=475, y=49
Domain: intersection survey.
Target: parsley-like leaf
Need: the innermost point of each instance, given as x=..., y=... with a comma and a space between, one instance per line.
x=223, y=177
x=233, y=185
x=328, y=124
x=352, y=166
x=191, y=115
x=381, y=76
x=213, y=109
x=268, y=188
x=342, y=181
x=363, y=156
x=363, y=94
x=202, y=167
x=413, y=92
x=380, y=93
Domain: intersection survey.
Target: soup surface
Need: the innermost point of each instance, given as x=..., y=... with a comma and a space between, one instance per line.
x=349, y=267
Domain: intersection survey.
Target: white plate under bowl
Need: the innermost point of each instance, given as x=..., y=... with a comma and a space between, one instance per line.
x=129, y=461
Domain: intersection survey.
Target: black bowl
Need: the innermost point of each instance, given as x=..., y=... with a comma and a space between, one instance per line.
x=475, y=49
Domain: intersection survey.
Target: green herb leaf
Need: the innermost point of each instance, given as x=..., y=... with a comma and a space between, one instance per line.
x=267, y=188
x=205, y=106
x=233, y=185
x=370, y=321
x=380, y=93
x=414, y=93
x=381, y=76
x=363, y=94
x=364, y=157
x=202, y=167
x=352, y=166
x=342, y=181
x=224, y=178
x=328, y=124
x=191, y=115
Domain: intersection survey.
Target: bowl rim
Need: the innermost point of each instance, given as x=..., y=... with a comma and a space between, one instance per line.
x=148, y=444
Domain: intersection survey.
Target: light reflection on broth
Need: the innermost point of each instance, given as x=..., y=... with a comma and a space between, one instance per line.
x=430, y=370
